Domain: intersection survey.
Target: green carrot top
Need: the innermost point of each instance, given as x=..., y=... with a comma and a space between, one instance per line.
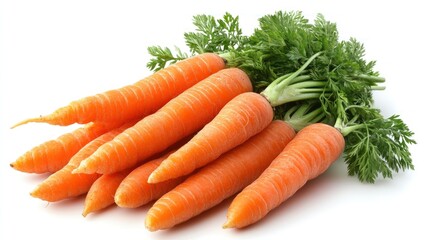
x=308, y=75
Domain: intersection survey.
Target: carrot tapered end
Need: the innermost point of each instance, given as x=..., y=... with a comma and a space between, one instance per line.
x=121, y=199
x=36, y=193
x=150, y=225
x=17, y=165
x=38, y=119
x=43, y=192
x=82, y=168
x=85, y=212
x=162, y=173
x=228, y=224
x=153, y=178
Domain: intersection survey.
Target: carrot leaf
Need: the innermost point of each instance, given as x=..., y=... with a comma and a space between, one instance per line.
x=163, y=57
x=376, y=145
x=309, y=75
x=215, y=35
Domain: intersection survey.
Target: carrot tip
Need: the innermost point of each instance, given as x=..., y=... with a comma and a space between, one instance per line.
x=34, y=194
x=156, y=177
x=150, y=226
x=227, y=224
x=119, y=200
x=17, y=167
x=85, y=213
x=152, y=179
x=80, y=169
x=39, y=193
x=39, y=119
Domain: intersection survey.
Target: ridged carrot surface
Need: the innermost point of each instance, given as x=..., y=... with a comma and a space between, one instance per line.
x=307, y=156
x=53, y=155
x=241, y=118
x=134, y=191
x=220, y=179
x=102, y=192
x=139, y=99
x=182, y=116
x=63, y=184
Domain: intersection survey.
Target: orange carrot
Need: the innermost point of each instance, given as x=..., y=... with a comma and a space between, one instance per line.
x=53, y=155
x=241, y=118
x=102, y=192
x=307, y=156
x=134, y=191
x=220, y=179
x=182, y=116
x=63, y=184
x=139, y=99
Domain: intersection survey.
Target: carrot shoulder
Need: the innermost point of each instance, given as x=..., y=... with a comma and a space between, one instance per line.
x=307, y=156
x=220, y=179
x=182, y=116
x=53, y=155
x=241, y=118
x=139, y=99
x=134, y=191
x=63, y=184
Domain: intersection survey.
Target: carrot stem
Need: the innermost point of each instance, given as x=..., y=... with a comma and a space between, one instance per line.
x=279, y=91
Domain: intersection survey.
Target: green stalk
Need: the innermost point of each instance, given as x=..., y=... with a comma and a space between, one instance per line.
x=371, y=78
x=280, y=91
x=299, y=116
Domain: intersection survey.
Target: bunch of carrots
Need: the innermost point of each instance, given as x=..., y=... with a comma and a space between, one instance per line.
x=257, y=116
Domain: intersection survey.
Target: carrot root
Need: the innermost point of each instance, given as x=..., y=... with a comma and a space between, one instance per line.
x=137, y=100
x=308, y=155
x=241, y=118
x=182, y=116
x=52, y=155
x=219, y=180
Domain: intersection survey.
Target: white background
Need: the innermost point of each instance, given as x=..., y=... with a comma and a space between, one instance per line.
x=53, y=52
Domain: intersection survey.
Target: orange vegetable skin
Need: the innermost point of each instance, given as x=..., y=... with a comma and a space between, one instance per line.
x=220, y=179
x=182, y=116
x=134, y=191
x=139, y=99
x=63, y=184
x=307, y=156
x=53, y=155
x=241, y=118
x=102, y=192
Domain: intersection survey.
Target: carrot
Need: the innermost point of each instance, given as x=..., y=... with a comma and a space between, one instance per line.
x=134, y=191
x=241, y=118
x=307, y=156
x=102, y=191
x=53, y=155
x=139, y=99
x=63, y=184
x=220, y=179
x=182, y=116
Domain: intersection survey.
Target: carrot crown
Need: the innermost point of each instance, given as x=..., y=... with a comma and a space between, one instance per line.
x=308, y=75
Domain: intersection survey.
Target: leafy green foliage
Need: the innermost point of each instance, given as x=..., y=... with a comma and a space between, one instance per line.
x=215, y=35
x=377, y=145
x=163, y=57
x=211, y=35
x=309, y=75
